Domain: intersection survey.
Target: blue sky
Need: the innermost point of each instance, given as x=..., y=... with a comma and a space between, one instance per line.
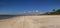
x=16, y=6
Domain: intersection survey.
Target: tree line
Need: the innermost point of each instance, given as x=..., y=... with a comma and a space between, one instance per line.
x=53, y=12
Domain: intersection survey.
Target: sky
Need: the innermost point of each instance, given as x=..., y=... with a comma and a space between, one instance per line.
x=17, y=6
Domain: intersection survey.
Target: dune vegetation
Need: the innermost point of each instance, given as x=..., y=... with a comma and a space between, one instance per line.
x=53, y=12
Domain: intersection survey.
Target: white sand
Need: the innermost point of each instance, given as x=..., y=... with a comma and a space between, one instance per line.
x=31, y=22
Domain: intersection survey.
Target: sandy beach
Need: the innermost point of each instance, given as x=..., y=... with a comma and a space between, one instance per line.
x=31, y=22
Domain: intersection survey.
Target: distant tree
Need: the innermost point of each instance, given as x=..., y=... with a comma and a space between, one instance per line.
x=58, y=11
x=46, y=13
x=53, y=10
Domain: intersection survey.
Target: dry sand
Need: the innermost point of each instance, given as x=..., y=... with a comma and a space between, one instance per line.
x=31, y=22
